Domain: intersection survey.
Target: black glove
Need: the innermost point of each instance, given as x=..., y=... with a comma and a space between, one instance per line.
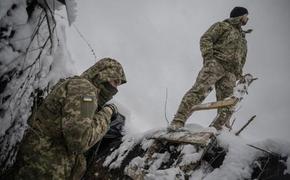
x=114, y=110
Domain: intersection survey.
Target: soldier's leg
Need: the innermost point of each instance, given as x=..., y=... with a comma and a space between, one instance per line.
x=207, y=77
x=224, y=88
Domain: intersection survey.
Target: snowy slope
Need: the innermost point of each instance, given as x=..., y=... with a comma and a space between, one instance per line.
x=233, y=159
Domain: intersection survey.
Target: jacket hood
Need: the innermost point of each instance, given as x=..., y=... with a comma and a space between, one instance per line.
x=105, y=70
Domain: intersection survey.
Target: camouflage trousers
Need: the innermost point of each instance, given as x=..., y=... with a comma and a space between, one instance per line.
x=211, y=74
x=39, y=158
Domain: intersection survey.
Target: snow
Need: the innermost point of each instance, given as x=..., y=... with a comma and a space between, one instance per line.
x=160, y=158
x=147, y=143
x=129, y=142
x=168, y=174
x=241, y=88
x=127, y=145
x=17, y=16
x=71, y=10
x=190, y=155
x=7, y=55
x=239, y=158
x=238, y=162
x=5, y=5
x=30, y=59
x=21, y=39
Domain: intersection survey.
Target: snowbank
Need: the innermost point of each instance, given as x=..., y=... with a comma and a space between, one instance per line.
x=33, y=57
x=179, y=162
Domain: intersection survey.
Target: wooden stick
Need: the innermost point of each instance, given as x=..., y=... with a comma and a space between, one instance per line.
x=231, y=127
x=252, y=118
x=215, y=105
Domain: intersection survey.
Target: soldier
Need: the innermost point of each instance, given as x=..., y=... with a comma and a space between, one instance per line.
x=224, y=49
x=71, y=119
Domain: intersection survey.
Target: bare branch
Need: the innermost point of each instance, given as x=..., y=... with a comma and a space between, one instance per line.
x=250, y=120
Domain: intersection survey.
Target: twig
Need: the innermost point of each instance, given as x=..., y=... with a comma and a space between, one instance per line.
x=165, y=106
x=231, y=126
x=262, y=170
x=35, y=32
x=88, y=44
x=265, y=151
x=47, y=10
x=82, y=36
x=252, y=118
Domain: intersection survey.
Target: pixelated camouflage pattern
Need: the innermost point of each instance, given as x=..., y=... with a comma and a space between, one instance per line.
x=66, y=125
x=211, y=74
x=105, y=70
x=224, y=50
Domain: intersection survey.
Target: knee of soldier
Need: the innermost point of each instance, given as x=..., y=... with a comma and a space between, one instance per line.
x=195, y=93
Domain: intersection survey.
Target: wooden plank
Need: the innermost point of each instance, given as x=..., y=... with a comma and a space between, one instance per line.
x=215, y=105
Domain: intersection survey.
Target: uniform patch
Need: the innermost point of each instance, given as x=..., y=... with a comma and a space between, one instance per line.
x=88, y=99
x=88, y=106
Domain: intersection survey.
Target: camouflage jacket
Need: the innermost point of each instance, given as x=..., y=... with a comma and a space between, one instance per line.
x=225, y=41
x=67, y=124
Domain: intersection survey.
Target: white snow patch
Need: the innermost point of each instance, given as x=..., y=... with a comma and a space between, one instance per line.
x=159, y=159
x=240, y=157
x=71, y=10
x=137, y=162
x=189, y=155
x=117, y=156
x=21, y=39
x=27, y=63
x=167, y=174
x=114, y=160
x=146, y=143
x=237, y=161
x=5, y=5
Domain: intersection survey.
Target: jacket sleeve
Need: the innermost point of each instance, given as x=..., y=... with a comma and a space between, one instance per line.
x=239, y=74
x=244, y=58
x=244, y=49
x=208, y=39
x=82, y=125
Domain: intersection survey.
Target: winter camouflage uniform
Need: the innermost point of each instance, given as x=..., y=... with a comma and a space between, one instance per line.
x=69, y=121
x=224, y=50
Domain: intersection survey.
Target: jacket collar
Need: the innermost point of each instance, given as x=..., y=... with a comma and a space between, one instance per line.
x=236, y=23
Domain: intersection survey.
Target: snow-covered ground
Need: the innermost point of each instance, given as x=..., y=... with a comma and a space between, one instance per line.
x=237, y=164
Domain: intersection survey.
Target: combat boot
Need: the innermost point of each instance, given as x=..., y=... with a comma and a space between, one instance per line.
x=176, y=124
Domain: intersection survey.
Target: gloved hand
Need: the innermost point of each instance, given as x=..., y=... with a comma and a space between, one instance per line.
x=174, y=125
x=114, y=109
x=248, y=30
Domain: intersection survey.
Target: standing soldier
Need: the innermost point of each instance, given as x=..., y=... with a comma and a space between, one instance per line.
x=224, y=49
x=71, y=119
